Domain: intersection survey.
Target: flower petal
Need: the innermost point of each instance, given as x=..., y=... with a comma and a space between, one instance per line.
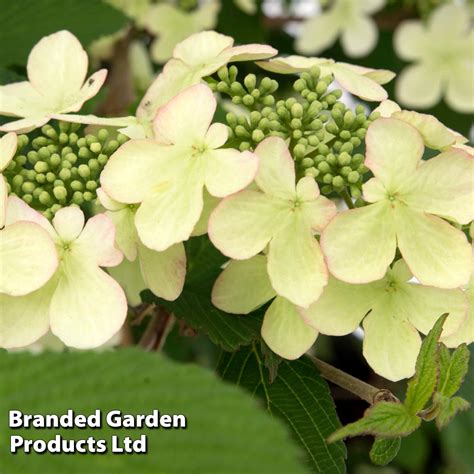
x=410, y=40
x=371, y=227
x=57, y=67
x=88, y=306
x=18, y=210
x=242, y=225
x=394, y=150
x=137, y=167
x=243, y=286
x=8, y=145
x=28, y=258
x=229, y=171
x=168, y=214
x=23, y=320
x=358, y=84
x=209, y=204
x=292, y=64
x=251, y=52
x=21, y=99
x=87, y=91
x=217, y=135
x=360, y=37
x=387, y=108
x=460, y=92
x=317, y=34
x=24, y=125
x=391, y=344
x=419, y=86
x=185, y=119
x=129, y=276
x=68, y=223
x=437, y=253
x=276, y=171
x=126, y=237
x=285, y=332
x=318, y=213
x=444, y=186
x=296, y=264
x=3, y=200
x=96, y=244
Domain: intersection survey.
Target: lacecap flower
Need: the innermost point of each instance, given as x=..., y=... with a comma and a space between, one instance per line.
x=407, y=195
x=57, y=69
x=80, y=303
x=393, y=310
x=349, y=19
x=444, y=59
x=166, y=176
x=282, y=214
x=162, y=272
x=362, y=82
x=244, y=286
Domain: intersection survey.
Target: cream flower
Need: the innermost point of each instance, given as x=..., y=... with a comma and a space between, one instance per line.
x=81, y=304
x=435, y=135
x=397, y=310
x=359, y=81
x=349, y=19
x=244, y=286
x=172, y=25
x=284, y=215
x=28, y=258
x=162, y=272
x=167, y=175
x=406, y=195
x=444, y=59
x=57, y=69
x=8, y=146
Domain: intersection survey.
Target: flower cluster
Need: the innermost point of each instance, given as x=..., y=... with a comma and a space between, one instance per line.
x=266, y=188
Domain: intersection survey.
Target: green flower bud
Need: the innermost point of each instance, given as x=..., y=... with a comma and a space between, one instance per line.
x=345, y=170
x=45, y=198
x=241, y=132
x=88, y=196
x=357, y=159
x=248, y=100
x=77, y=185
x=345, y=135
x=55, y=160
x=296, y=124
x=353, y=177
x=65, y=174
x=40, y=178
x=66, y=165
x=315, y=72
x=327, y=178
x=355, y=141
x=37, y=191
x=257, y=136
x=323, y=149
x=359, y=203
x=231, y=119
x=324, y=167
x=311, y=172
x=344, y=158
x=50, y=177
x=58, y=182
x=65, y=151
x=60, y=193
x=356, y=191
x=95, y=147
x=84, y=153
x=236, y=100
x=250, y=81
x=30, y=175
x=102, y=159
x=121, y=138
x=264, y=124
x=347, y=147
x=64, y=126
x=307, y=163
x=33, y=157
x=93, y=164
x=41, y=167
x=102, y=135
x=299, y=85
x=244, y=146
x=313, y=140
x=17, y=181
x=112, y=145
x=266, y=85
x=63, y=138
x=77, y=198
x=362, y=169
x=73, y=138
x=338, y=182
x=299, y=151
x=55, y=208
x=237, y=89
x=297, y=134
x=84, y=171
x=28, y=198
x=332, y=128
x=91, y=185
x=297, y=110
x=44, y=153
x=321, y=87
x=223, y=73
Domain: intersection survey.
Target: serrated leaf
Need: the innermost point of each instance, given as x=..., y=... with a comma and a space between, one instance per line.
x=448, y=408
x=299, y=396
x=226, y=431
x=384, y=450
x=22, y=24
x=384, y=419
x=421, y=387
x=271, y=361
x=452, y=369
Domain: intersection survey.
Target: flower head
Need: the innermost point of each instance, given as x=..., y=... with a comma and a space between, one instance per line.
x=397, y=309
x=407, y=195
x=444, y=59
x=167, y=175
x=349, y=19
x=8, y=146
x=244, y=286
x=359, y=81
x=57, y=68
x=283, y=215
x=81, y=303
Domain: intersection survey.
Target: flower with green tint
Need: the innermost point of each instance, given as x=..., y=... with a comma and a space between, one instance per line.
x=349, y=19
x=28, y=258
x=57, y=69
x=8, y=146
x=282, y=214
x=166, y=176
x=244, y=286
x=172, y=25
x=162, y=272
x=393, y=311
x=81, y=304
x=362, y=82
x=444, y=60
x=410, y=204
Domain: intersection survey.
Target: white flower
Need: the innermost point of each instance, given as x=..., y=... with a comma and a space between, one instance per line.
x=57, y=69
x=444, y=60
x=349, y=19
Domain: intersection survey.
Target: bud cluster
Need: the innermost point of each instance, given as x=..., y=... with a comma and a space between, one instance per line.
x=325, y=137
x=60, y=167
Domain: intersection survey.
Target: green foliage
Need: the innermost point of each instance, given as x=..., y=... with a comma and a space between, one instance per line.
x=226, y=432
x=384, y=450
x=453, y=369
x=298, y=395
x=194, y=305
x=22, y=24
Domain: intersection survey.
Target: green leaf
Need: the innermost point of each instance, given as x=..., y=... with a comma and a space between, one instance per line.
x=23, y=24
x=226, y=431
x=421, y=386
x=448, y=408
x=384, y=450
x=299, y=396
x=384, y=419
x=453, y=368
x=194, y=306
x=271, y=360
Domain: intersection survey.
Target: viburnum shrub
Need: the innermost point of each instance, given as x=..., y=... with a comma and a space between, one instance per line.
x=327, y=216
